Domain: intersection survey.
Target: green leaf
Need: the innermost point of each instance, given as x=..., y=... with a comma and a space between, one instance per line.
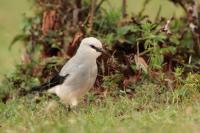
x=169, y=49
x=174, y=39
x=125, y=29
x=109, y=39
x=156, y=61
x=17, y=38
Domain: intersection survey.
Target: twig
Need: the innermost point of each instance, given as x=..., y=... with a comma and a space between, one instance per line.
x=99, y=5
x=76, y=12
x=146, y=2
x=86, y=8
x=124, y=14
x=165, y=28
x=158, y=13
x=145, y=52
x=91, y=18
x=194, y=25
x=138, y=50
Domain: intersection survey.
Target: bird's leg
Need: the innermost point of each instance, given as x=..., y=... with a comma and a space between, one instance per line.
x=70, y=104
x=69, y=108
x=73, y=104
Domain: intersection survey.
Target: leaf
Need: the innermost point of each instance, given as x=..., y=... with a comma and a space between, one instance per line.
x=157, y=60
x=174, y=39
x=49, y=20
x=169, y=49
x=17, y=38
x=109, y=39
x=72, y=47
x=147, y=27
x=125, y=29
x=141, y=63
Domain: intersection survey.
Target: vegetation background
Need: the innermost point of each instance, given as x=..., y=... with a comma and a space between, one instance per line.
x=11, y=17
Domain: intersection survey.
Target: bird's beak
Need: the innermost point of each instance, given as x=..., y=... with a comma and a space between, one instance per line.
x=103, y=51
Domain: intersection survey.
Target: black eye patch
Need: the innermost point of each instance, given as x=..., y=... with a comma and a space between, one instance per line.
x=97, y=49
x=92, y=46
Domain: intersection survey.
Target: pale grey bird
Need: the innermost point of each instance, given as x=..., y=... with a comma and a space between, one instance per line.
x=78, y=75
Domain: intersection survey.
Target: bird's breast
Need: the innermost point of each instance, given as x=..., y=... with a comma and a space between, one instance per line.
x=93, y=75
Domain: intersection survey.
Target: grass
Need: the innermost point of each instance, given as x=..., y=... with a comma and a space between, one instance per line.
x=109, y=115
x=152, y=109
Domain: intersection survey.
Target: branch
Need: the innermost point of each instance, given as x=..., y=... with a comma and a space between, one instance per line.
x=146, y=2
x=91, y=14
x=99, y=5
x=76, y=12
x=166, y=27
x=124, y=14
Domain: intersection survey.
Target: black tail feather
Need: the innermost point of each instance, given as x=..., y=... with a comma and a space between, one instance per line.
x=56, y=80
x=42, y=87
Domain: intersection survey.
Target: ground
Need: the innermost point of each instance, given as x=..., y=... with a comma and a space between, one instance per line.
x=110, y=115
x=152, y=108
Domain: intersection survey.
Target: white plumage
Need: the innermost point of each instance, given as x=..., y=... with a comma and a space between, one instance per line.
x=79, y=72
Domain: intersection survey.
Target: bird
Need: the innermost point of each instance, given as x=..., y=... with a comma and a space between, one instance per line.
x=78, y=75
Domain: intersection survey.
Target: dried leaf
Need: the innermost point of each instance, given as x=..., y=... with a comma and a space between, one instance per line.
x=141, y=63
x=73, y=45
x=26, y=58
x=169, y=83
x=49, y=20
x=166, y=27
x=131, y=80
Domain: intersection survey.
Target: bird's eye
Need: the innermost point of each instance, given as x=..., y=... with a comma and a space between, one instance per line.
x=92, y=46
x=95, y=48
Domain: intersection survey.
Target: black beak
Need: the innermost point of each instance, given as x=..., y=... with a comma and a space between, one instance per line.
x=103, y=51
x=100, y=50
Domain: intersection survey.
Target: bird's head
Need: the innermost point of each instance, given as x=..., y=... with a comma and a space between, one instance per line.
x=92, y=46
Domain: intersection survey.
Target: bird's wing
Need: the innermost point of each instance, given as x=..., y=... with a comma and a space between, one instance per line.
x=74, y=67
x=71, y=66
x=59, y=78
x=56, y=80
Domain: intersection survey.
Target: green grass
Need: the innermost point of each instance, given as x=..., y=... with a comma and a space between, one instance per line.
x=109, y=115
x=153, y=108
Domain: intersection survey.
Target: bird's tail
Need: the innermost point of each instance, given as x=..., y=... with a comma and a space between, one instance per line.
x=40, y=88
x=56, y=80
